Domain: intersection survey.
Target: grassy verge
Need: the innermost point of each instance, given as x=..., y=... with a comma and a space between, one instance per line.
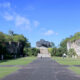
x=4, y=71
x=75, y=69
x=20, y=61
x=67, y=61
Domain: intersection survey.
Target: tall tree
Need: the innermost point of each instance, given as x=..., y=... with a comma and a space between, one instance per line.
x=63, y=46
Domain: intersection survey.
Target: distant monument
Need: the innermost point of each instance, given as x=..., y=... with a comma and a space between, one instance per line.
x=75, y=45
x=43, y=43
x=43, y=46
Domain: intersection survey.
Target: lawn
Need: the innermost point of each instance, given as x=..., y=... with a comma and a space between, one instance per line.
x=75, y=69
x=67, y=61
x=4, y=71
x=19, y=61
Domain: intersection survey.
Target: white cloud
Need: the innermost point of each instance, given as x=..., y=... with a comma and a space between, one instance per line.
x=5, y=5
x=49, y=32
x=8, y=16
x=21, y=21
x=36, y=23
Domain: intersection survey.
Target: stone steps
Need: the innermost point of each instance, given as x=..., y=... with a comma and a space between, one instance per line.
x=43, y=55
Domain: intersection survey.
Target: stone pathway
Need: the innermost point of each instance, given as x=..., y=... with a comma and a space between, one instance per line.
x=43, y=69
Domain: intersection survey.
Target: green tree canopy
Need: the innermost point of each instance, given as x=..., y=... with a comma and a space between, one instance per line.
x=19, y=38
x=8, y=38
x=63, y=45
x=75, y=37
x=2, y=37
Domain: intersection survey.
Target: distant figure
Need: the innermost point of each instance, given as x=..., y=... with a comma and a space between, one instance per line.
x=64, y=55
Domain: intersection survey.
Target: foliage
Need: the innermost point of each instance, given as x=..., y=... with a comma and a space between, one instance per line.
x=31, y=51
x=28, y=45
x=11, y=37
x=76, y=36
x=8, y=38
x=52, y=51
x=59, y=51
x=35, y=51
x=72, y=52
x=28, y=51
x=2, y=37
x=19, y=38
x=62, y=47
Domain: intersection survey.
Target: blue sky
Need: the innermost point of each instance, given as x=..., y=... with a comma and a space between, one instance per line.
x=52, y=20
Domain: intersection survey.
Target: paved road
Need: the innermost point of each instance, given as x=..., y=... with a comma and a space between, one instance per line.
x=43, y=69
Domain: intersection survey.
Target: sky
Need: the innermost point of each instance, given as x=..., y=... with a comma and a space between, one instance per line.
x=52, y=20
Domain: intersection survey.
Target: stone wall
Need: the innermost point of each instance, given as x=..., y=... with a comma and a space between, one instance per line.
x=75, y=45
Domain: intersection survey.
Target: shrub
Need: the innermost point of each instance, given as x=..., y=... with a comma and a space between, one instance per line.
x=52, y=51
x=35, y=51
x=59, y=52
x=31, y=51
x=72, y=52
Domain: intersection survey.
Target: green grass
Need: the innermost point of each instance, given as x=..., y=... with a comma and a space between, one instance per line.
x=19, y=61
x=75, y=69
x=67, y=61
x=4, y=71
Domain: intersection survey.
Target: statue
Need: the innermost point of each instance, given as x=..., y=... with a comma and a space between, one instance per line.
x=43, y=43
